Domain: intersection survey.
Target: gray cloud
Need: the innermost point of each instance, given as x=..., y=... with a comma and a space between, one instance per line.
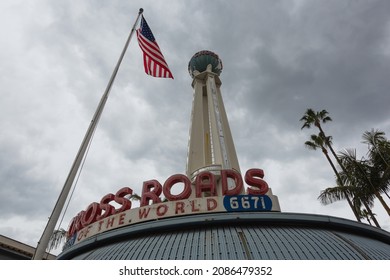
x=280, y=58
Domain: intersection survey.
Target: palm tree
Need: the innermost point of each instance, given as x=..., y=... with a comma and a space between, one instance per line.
x=367, y=175
x=379, y=154
x=315, y=118
x=350, y=187
x=365, y=214
x=312, y=117
x=337, y=193
x=378, y=145
x=57, y=238
x=319, y=141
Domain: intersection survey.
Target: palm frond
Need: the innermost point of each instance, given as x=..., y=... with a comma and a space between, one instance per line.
x=333, y=194
x=57, y=238
x=135, y=197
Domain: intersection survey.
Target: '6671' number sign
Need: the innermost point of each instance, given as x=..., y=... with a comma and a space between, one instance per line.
x=247, y=203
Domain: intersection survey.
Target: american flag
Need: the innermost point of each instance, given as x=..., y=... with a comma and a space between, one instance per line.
x=154, y=62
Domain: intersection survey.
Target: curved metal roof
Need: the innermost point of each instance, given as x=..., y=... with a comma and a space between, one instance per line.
x=273, y=236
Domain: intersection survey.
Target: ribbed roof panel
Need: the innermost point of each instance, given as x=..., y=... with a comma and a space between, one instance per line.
x=255, y=238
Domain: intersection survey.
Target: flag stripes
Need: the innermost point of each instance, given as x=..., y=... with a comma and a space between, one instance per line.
x=154, y=61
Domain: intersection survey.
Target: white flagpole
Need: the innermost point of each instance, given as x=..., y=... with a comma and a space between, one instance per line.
x=45, y=238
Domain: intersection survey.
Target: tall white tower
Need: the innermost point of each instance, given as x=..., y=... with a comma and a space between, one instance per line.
x=211, y=147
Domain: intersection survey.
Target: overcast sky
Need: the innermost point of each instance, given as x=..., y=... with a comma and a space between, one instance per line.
x=279, y=58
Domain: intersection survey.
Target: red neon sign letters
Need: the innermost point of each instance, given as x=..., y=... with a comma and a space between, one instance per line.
x=152, y=190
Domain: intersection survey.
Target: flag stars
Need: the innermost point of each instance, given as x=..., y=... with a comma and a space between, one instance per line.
x=145, y=30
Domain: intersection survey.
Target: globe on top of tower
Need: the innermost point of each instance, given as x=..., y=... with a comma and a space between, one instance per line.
x=200, y=60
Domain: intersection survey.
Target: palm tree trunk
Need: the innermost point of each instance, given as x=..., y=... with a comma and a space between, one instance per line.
x=340, y=182
x=371, y=214
x=384, y=204
x=331, y=149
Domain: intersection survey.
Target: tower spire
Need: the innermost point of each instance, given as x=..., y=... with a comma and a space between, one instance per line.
x=211, y=145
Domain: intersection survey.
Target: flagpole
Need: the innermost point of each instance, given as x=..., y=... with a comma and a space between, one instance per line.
x=49, y=229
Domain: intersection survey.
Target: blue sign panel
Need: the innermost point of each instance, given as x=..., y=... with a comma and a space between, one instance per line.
x=247, y=203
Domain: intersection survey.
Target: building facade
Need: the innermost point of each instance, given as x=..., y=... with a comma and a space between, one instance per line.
x=11, y=249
